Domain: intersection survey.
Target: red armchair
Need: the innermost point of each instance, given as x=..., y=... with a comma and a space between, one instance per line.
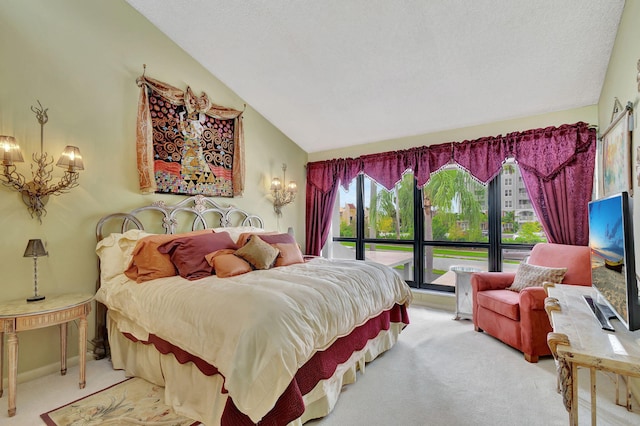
x=519, y=319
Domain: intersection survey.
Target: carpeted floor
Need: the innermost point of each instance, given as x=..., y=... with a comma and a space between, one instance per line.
x=441, y=372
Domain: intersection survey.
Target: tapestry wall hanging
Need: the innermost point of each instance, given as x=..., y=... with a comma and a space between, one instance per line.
x=187, y=145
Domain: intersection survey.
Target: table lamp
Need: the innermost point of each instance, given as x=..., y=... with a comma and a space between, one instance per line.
x=35, y=249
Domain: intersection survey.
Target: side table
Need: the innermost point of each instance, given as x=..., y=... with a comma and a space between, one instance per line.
x=464, y=304
x=578, y=340
x=20, y=315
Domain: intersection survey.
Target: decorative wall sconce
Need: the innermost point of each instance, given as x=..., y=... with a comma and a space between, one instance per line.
x=35, y=193
x=35, y=249
x=282, y=196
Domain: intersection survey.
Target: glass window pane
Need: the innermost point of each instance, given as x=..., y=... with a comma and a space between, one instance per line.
x=439, y=260
x=399, y=257
x=519, y=222
x=341, y=249
x=343, y=223
x=389, y=214
x=455, y=207
x=511, y=258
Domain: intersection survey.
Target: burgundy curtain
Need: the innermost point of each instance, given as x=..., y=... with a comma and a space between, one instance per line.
x=557, y=167
x=323, y=179
x=556, y=163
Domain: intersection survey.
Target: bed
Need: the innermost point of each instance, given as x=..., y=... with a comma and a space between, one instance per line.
x=271, y=345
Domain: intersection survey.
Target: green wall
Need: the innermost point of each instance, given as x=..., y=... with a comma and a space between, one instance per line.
x=622, y=82
x=81, y=60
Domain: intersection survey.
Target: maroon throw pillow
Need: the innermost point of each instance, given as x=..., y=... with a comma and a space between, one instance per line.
x=278, y=238
x=188, y=253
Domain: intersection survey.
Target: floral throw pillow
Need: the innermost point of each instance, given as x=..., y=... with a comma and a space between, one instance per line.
x=529, y=275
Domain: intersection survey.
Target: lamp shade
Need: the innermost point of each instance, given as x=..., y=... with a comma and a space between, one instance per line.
x=35, y=248
x=10, y=150
x=276, y=185
x=71, y=159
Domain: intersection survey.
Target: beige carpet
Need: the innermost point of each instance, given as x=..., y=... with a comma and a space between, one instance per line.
x=443, y=373
x=131, y=402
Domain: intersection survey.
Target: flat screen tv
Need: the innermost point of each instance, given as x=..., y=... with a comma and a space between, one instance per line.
x=612, y=257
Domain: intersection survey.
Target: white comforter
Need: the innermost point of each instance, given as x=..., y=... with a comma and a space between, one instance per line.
x=260, y=327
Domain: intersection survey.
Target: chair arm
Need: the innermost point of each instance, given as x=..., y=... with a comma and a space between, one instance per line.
x=532, y=299
x=534, y=322
x=481, y=281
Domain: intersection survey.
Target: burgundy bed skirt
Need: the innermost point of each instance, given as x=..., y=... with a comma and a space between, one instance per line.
x=321, y=366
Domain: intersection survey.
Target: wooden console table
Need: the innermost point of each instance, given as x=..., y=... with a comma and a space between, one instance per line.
x=20, y=315
x=578, y=340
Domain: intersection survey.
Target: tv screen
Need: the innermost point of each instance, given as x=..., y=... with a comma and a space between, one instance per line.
x=612, y=257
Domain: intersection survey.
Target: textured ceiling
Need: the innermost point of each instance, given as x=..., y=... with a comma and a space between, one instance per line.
x=337, y=73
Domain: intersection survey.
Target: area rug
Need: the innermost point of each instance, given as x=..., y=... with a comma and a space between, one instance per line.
x=131, y=402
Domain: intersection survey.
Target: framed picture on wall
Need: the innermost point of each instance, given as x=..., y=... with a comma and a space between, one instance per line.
x=615, y=167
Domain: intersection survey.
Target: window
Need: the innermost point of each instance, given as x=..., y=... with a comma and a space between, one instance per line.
x=519, y=225
x=508, y=181
x=453, y=220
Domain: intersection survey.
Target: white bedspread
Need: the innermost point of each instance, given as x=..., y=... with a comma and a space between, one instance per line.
x=260, y=327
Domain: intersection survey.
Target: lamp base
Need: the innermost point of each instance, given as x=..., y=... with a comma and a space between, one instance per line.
x=35, y=298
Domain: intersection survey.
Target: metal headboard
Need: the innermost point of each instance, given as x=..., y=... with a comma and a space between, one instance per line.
x=200, y=212
x=196, y=212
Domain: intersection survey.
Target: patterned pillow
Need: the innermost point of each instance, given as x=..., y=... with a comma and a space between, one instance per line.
x=258, y=253
x=529, y=275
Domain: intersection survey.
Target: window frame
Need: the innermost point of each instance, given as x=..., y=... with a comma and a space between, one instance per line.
x=494, y=246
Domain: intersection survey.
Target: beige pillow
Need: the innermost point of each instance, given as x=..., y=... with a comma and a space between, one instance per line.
x=258, y=253
x=529, y=275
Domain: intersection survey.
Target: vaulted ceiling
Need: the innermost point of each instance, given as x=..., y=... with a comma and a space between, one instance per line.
x=336, y=73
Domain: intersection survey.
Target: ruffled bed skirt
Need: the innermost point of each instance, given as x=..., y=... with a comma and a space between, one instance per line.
x=203, y=397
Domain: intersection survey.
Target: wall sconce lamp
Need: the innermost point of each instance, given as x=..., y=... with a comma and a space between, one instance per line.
x=35, y=249
x=35, y=193
x=282, y=196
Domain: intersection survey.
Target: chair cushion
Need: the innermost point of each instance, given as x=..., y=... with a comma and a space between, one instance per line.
x=503, y=302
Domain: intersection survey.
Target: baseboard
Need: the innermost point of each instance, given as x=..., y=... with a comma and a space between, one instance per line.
x=434, y=299
x=36, y=373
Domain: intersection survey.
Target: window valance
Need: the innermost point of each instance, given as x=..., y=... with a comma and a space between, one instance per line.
x=556, y=163
x=544, y=152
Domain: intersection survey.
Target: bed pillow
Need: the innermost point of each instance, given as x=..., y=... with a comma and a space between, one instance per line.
x=246, y=236
x=278, y=239
x=148, y=263
x=529, y=275
x=115, y=252
x=258, y=253
x=290, y=254
x=289, y=250
x=226, y=264
x=236, y=231
x=188, y=253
